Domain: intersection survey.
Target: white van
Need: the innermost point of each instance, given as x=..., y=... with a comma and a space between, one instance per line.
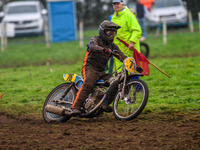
x=174, y=11
x=27, y=16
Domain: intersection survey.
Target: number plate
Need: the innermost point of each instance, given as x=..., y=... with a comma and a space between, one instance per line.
x=70, y=77
x=129, y=64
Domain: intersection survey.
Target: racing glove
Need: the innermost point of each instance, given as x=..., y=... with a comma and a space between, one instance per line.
x=106, y=51
x=139, y=69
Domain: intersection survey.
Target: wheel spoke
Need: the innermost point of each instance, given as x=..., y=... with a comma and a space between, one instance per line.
x=54, y=99
x=134, y=100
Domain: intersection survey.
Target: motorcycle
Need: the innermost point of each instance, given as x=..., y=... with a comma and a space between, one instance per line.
x=129, y=96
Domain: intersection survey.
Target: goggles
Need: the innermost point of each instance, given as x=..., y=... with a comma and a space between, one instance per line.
x=111, y=33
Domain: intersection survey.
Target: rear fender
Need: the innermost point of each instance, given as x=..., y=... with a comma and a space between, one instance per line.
x=74, y=78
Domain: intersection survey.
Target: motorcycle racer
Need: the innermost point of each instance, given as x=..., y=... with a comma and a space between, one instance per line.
x=99, y=50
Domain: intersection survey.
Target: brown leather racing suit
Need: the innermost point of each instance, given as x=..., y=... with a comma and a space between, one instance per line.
x=94, y=67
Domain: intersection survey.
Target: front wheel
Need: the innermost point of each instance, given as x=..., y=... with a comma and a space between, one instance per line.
x=133, y=102
x=56, y=94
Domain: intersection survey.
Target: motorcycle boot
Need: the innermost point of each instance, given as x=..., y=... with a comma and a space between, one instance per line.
x=107, y=108
x=114, y=81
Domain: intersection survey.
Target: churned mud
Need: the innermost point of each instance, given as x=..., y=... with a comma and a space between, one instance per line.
x=146, y=132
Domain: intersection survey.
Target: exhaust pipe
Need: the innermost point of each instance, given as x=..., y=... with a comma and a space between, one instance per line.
x=55, y=110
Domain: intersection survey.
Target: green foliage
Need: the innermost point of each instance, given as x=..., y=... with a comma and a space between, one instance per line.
x=27, y=86
x=21, y=52
x=38, y=54
x=178, y=44
x=179, y=93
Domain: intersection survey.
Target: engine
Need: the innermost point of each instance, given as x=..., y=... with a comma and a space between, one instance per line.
x=94, y=98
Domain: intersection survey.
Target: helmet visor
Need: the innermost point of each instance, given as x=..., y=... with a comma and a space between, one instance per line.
x=111, y=33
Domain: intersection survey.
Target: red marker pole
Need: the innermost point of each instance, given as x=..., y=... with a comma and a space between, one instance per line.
x=1, y=95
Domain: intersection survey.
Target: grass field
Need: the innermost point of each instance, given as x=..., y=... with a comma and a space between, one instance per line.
x=26, y=80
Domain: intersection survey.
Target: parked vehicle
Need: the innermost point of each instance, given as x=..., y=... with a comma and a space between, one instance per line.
x=27, y=16
x=174, y=11
x=129, y=96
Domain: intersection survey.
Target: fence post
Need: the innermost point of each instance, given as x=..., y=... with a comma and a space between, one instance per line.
x=190, y=21
x=6, y=39
x=3, y=37
x=49, y=64
x=164, y=31
x=157, y=31
x=81, y=33
x=199, y=20
x=46, y=33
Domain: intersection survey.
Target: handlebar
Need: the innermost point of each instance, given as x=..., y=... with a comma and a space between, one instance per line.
x=114, y=51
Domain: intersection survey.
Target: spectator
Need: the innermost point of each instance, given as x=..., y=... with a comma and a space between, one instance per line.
x=142, y=13
x=147, y=3
x=130, y=30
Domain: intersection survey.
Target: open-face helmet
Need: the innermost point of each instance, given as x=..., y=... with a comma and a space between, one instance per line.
x=108, y=30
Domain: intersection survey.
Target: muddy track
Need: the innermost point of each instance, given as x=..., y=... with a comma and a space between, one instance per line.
x=147, y=132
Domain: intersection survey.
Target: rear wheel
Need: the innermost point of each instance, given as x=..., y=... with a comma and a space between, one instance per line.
x=134, y=100
x=144, y=48
x=56, y=94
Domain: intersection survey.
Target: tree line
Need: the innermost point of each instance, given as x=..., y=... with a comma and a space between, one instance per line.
x=194, y=7
x=93, y=12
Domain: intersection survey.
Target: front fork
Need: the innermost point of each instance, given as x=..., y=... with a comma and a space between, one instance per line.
x=123, y=85
x=121, y=89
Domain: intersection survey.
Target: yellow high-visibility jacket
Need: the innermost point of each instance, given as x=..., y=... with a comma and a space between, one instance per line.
x=130, y=31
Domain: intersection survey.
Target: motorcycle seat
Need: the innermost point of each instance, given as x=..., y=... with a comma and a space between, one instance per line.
x=102, y=82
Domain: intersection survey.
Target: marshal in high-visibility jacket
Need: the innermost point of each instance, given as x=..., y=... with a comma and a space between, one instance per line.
x=130, y=31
